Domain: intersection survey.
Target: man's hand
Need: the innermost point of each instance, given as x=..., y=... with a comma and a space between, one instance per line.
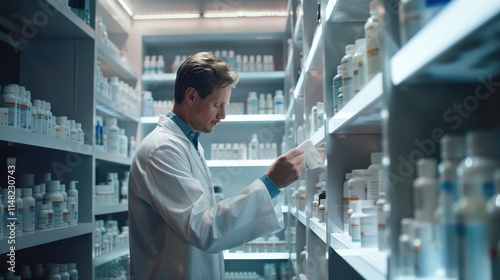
x=286, y=168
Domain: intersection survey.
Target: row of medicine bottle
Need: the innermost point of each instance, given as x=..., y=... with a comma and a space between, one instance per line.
x=108, y=238
x=238, y=62
x=40, y=206
x=116, y=94
x=456, y=215
x=363, y=201
x=240, y=151
x=18, y=111
x=360, y=63
x=112, y=192
x=42, y=271
x=112, y=139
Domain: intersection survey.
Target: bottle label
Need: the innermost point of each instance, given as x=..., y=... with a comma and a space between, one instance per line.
x=473, y=260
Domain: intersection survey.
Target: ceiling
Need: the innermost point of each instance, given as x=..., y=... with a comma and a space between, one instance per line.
x=152, y=7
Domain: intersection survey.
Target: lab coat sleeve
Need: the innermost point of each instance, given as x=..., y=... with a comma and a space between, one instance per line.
x=178, y=191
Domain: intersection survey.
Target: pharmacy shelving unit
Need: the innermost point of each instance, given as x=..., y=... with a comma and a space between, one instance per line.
x=55, y=61
x=460, y=70
x=345, y=140
x=113, y=64
x=402, y=111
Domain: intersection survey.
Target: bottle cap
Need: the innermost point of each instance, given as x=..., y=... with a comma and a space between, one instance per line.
x=53, y=185
x=350, y=49
x=452, y=146
x=483, y=143
x=426, y=167
x=27, y=191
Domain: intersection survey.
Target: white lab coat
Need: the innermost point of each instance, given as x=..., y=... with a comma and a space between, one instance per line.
x=177, y=231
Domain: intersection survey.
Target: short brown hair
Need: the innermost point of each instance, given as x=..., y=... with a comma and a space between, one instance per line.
x=204, y=72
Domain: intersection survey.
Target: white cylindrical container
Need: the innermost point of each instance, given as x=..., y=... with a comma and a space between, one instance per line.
x=20, y=211
x=55, y=197
x=253, y=147
x=425, y=255
x=411, y=19
x=252, y=103
x=262, y=103
x=373, y=189
x=452, y=152
x=279, y=102
x=147, y=104
x=372, y=42
x=122, y=143
x=322, y=213
x=111, y=130
x=10, y=101
x=42, y=217
x=54, y=273
x=358, y=184
x=348, y=73
x=355, y=221
x=73, y=192
x=62, y=122
x=29, y=209
x=368, y=227
x=73, y=273
x=359, y=59
x=336, y=84
x=425, y=188
x=405, y=245
x=381, y=234
x=475, y=180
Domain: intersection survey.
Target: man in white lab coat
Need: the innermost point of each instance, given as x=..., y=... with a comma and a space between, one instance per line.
x=177, y=230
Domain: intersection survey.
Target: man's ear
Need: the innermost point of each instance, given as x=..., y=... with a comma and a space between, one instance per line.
x=190, y=95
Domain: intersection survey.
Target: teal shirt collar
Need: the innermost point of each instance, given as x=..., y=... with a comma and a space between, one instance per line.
x=188, y=131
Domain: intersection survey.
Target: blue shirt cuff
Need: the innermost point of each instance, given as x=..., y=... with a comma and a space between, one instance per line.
x=270, y=185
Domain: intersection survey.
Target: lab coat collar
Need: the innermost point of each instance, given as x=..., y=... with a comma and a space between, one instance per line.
x=170, y=125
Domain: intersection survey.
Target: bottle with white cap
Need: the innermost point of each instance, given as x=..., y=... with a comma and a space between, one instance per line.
x=373, y=190
x=425, y=188
x=345, y=201
x=348, y=73
x=452, y=152
x=405, y=240
x=55, y=197
x=29, y=209
x=23, y=102
x=62, y=121
x=358, y=184
x=279, y=103
x=475, y=181
x=10, y=101
x=425, y=256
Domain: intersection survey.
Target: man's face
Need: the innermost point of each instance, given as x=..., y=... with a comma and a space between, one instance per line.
x=207, y=113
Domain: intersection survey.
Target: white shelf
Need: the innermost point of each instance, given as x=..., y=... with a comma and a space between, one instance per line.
x=256, y=256
x=462, y=53
x=18, y=136
x=240, y=163
x=314, y=61
x=318, y=228
x=110, y=209
x=301, y=216
x=318, y=137
x=106, y=108
x=114, y=64
x=348, y=10
x=368, y=262
x=298, y=90
x=113, y=158
x=151, y=81
x=63, y=24
x=102, y=259
x=42, y=236
x=363, y=113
